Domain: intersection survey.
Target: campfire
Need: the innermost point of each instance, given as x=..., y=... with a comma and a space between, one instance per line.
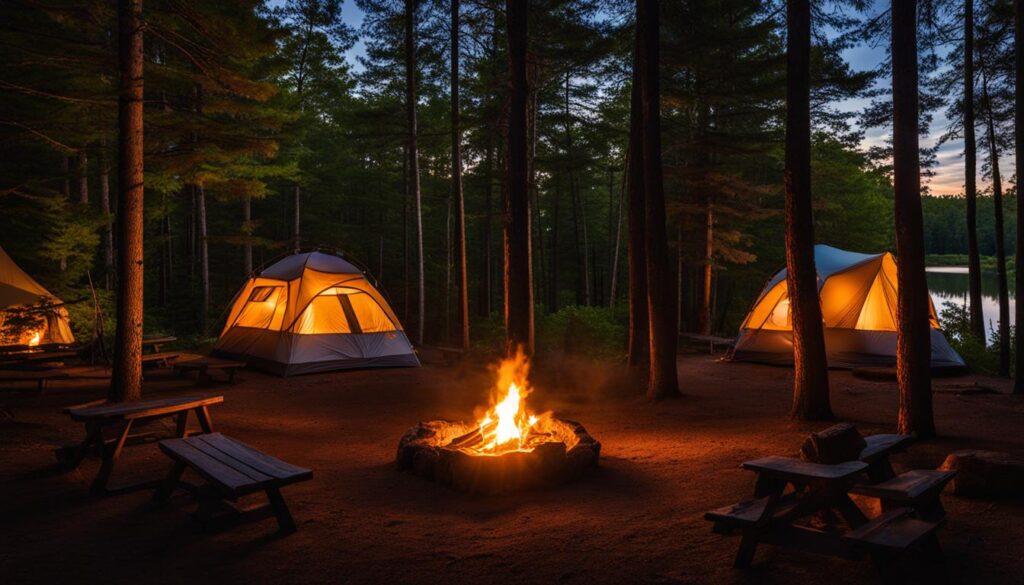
x=507, y=448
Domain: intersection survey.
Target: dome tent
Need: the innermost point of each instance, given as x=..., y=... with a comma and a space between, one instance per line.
x=313, y=312
x=858, y=307
x=29, y=314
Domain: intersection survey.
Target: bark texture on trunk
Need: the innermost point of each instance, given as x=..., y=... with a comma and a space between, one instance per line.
x=108, y=228
x=247, y=246
x=1018, y=122
x=126, y=378
x=83, y=177
x=810, y=364
x=518, y=255
x=461, y=278
x=413, y=183
x=661, y=307
x=913, y=342
x=970, y=183
x=297, y=218
x=204, y=259
x=638, y=351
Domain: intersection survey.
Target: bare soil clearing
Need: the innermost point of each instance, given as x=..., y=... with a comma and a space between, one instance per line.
x=637, y=519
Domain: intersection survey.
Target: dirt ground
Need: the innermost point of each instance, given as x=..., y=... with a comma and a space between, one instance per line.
x=637, y=519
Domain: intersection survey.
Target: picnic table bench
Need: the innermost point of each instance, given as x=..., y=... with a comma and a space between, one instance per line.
x=918, y=489
x=772, y=516
x=162, y=359
x=155, y=342
x=231, y=469
x=40, y=377
x=204, y=365
x=120, y=418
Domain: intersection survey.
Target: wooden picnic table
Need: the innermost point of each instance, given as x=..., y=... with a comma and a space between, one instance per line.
x=155, y=342
x=204, y=365
x=120, y=417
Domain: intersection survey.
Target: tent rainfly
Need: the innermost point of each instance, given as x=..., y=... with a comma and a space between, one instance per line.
x=313, y=312
x=858, y=307
x=29, y=314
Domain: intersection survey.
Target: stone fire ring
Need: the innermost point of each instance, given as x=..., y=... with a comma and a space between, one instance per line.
x=423, y=451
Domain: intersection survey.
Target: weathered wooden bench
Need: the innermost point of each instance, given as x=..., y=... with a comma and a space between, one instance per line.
x=232, y=470
x=886, y=538
x=162, y=359
x=204, y=365
x=120, y=417
x=40, y=377
x=918, y=489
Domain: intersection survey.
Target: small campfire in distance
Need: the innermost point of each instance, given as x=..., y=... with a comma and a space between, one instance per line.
x=507, y=449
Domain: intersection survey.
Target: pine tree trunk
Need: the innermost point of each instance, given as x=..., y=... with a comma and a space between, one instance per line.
x=913, y=342
x=578, y=218
x=108, y=228
x=977, y=318
x=297, y=217
x=997, y=200
x=518, y=255
x=810, y=364
x=460, y=203
x=247, y=227
x=83, y=177
x=639, y=346
x=707, y=270
x=487, y=276
x=553, y=286
x=204, y=259
x=65, y=171
x=414, y=165
x=1018, y=123
x=614, y=276
x=126, y=378
x=664, y=378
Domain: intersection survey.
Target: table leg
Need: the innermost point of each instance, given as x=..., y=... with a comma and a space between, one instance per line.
x=165, y=490
x=850, y=512
x=110, y=455
x=284, y=517
x=182, y=428
x=71, y=457
x=203, y=414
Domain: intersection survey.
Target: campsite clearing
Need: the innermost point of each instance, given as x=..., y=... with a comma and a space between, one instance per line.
x=638, y=518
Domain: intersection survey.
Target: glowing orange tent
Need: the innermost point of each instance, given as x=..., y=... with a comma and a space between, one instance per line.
x=313, y=312
x=29, y=314
x=858, y=307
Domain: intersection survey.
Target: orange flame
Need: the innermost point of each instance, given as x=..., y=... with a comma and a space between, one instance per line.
x=507, y=425
x=36, y=337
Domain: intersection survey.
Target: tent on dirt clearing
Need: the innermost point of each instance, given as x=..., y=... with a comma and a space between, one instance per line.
x=29, y=314
x=313, y=312
x=858, y=307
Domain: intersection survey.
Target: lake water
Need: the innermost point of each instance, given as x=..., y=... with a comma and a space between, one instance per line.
x=948, y=286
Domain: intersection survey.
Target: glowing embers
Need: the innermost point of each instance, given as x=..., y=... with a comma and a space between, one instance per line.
x=507, y=449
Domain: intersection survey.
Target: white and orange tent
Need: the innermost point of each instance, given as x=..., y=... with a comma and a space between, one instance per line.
x=29, y=314
x=313, y=312
x=858, y=308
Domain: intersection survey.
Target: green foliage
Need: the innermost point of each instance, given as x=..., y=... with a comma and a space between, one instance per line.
x=591, y=331
x=956, y=325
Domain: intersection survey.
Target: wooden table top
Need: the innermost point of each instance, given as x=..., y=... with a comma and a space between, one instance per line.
x=882, y=445
x=142, y=408
x=790, y=468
